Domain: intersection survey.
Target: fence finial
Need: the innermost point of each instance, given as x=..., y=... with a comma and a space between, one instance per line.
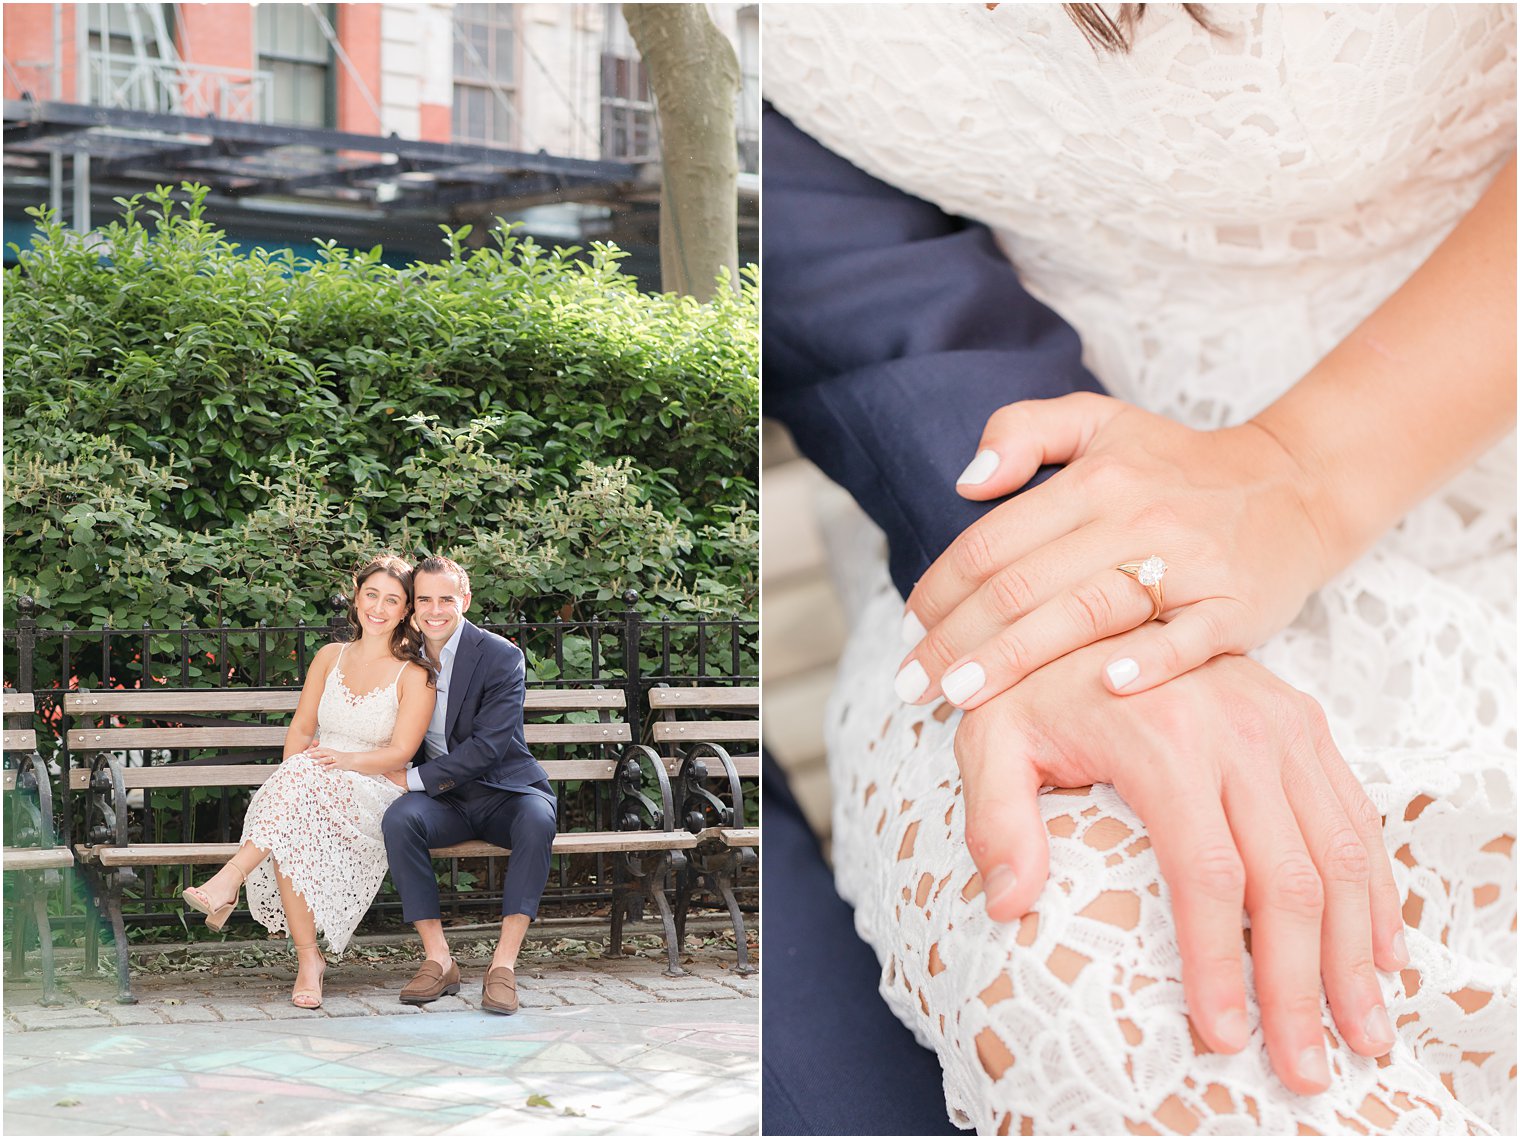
x=26, y=605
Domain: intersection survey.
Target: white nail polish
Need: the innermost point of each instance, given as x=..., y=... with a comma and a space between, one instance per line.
x=1232, y=1030
x=1313, y=1068
x=979, y=470
x=912, y=629
x=1378, y=1027
x=1401, y=948
x=911, y=682
x=964, y=683
x=999, y=883
x=1123, y=671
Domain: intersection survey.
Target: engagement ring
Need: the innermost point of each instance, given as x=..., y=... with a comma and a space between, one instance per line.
x=1149, y=574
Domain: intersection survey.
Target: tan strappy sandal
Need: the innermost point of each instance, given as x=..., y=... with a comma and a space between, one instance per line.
x=308, y=998
x=216, y=918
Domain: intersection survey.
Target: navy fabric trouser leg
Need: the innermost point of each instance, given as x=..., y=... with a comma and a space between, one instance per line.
x=836, y=1061
x=416, y=822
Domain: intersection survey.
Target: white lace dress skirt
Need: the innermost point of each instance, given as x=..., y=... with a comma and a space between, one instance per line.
x=323, y=825
x=1212, y=212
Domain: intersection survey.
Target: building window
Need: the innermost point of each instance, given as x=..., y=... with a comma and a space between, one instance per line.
x=126, y=45
x=747, y=124
x=296, y=53
x=485, y=74
x=628, y=122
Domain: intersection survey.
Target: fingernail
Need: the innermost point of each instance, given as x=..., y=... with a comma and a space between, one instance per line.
x=911, y=682
x=998, y=884
x=964, y=683
x=1231, y=1029
x=1400, y=949
x=1378, y=1027
x=1122, y=671
x=979, y=470
x=912, y=629
x=1313, y=1068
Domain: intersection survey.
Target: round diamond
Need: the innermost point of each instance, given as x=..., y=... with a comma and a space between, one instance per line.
x=1151, y=571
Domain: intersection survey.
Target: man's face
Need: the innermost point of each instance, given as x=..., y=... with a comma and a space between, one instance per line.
x=440, y=606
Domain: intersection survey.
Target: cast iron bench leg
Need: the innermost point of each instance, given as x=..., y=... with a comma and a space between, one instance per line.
x=45, y=944
x=119, y=930
x=655, y=885
x=722, y=877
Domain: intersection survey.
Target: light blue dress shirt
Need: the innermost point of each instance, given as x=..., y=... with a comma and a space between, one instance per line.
x=435, y=743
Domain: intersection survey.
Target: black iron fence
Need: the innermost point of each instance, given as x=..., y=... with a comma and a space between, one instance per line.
x=622, y=650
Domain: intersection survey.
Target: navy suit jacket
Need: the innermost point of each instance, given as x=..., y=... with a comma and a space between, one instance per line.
x=483, y=724
x=892, y=331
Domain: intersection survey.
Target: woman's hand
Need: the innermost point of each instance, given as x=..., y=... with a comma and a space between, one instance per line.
x=335, y=760
x=1246, y=802
x=1232, y=514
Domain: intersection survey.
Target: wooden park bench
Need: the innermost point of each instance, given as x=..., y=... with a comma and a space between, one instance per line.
x=708, y=769
x=648, y=845
x=32, y=850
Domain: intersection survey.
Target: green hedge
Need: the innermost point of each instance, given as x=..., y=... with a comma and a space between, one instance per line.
x=195, y=434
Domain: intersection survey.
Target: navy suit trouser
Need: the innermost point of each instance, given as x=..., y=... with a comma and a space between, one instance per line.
x=520, y=821
x=836, y=1060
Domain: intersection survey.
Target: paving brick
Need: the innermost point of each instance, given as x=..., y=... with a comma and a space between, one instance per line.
x=391, y=1007
x=344, y=1006
x=241, y=1011
x=577, y=995
x=39, y=1019
x=132, y=1014
x=287, y=1011
x=187, y=1014
x=448, y=1004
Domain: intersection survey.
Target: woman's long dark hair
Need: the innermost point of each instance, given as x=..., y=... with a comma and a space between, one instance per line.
x=1108, y=34
x=406, y=641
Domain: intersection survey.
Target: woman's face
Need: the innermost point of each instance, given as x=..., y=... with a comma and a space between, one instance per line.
x=381, y=604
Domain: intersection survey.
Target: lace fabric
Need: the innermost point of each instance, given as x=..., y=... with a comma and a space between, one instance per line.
x=1212, y=212
x=323, y=826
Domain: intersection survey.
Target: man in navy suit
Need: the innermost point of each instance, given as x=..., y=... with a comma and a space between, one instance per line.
x=473, y=778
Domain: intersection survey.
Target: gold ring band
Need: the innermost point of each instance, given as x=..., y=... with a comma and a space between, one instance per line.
x=1149, y=574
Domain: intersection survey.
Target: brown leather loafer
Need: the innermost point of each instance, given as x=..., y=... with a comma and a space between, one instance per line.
x=500, y=992
x=431, y=982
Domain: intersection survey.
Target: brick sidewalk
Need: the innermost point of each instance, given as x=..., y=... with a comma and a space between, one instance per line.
x=219, y=982
x=601, y=1046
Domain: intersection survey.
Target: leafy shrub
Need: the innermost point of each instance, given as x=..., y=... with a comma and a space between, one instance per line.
x=196, y=435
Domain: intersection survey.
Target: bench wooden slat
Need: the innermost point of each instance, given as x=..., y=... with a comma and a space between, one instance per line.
x=123, y=739
x=739, y=836
x=616, y=733
x=8, y=781
x=254, y=774
x=256, y=735
x=20, y=740
x=580, y=842
x=697, y=731
x=747, y=766
x=704, y=698
x=574, y=699
x=40, y=858
x=153, y=702
x=18, y=702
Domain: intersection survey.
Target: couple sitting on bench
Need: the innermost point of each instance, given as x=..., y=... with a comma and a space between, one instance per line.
x=407, y=738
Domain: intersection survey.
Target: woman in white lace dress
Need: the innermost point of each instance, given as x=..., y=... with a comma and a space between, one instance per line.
x=313, y=854
x=1284, y=221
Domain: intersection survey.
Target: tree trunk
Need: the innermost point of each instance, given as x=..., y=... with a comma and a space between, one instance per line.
x=695, y=78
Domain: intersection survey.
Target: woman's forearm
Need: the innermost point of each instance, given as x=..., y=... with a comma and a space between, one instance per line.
x=1416, y=392
x=297, y=740
x=380, y=761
